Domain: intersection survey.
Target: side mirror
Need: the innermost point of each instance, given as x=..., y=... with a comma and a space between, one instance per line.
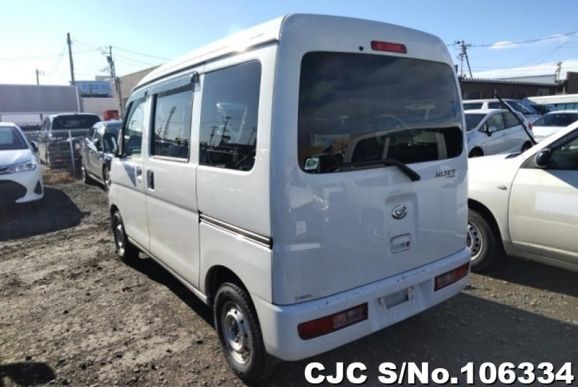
x=489, y=130
x=542, y=158
x=34, y=145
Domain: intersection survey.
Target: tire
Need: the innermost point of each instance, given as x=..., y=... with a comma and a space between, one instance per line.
x=106, y=178
x=477, y=152
x=527, y=145
x=484, y=242
x=239, y=333
x=124, y=249
x=86, y=179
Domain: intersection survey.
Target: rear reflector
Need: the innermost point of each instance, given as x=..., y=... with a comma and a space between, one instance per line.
x=324, y=325
x=388, y=47
x=451, y=276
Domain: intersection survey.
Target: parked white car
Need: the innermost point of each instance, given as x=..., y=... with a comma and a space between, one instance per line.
x=20, y=173
x=493, y=131
x=526, y=205
x=520, y=106
x=552, y=122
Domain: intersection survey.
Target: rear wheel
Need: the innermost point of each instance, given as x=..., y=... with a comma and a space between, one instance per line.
x=483, y=242
x=476, y=152
x=125, y=250
x=527, y=145
x=239, y=333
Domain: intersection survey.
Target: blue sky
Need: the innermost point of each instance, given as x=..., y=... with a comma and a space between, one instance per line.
x=33, y=33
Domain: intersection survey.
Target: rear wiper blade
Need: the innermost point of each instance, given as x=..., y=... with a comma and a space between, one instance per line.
x=413, y=175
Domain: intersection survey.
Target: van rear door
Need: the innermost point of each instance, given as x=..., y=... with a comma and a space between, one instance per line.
x=380, y=186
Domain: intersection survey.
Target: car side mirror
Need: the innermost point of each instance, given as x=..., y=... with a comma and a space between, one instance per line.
x=489, y=130
x=34, y=146
x=542, y=158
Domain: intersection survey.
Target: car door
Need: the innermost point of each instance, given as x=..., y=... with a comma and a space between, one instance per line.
x=493, y=128
x=170, y=174
x=95, y=155
x=514, y=135
x=543, y=211
x=128, y=188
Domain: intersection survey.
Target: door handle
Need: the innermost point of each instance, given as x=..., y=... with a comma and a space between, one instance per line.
x=150, y=180
x=138, y=173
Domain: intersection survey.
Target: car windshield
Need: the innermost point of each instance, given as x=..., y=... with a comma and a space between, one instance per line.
x=76, y=121
x=11, y=139
x=473, y=120
x=556, y=119
x=354, y=109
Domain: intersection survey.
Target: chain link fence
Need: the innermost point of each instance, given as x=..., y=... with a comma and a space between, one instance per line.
x=60, y=149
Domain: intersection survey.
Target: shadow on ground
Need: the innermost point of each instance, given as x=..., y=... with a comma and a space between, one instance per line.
x=56, y=211
x=536, y=275
x=26, y=374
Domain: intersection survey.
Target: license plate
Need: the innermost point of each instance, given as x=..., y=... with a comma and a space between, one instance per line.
x=394, y=299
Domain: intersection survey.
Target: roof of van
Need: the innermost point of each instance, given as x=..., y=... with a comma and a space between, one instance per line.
x=430, y=46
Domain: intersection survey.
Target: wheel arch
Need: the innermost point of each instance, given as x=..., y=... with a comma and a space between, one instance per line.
x=218, y=275
x=489, y=216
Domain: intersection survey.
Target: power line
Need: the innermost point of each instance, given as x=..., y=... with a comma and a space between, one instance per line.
x=140, y=53
x=536, y=40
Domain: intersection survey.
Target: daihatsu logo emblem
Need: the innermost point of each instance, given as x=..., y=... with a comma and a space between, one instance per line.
x=399, y=212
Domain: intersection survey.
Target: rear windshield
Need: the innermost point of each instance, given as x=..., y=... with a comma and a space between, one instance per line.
x=472, y=105
x=473, y=120
x=11, y=139
x=77, y=121
x=556, y=119
x=357, y=108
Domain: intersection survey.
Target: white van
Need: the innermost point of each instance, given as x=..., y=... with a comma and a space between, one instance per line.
x=305, y=178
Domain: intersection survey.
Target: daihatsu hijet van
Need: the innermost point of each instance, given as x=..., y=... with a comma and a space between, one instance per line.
x=305, y=178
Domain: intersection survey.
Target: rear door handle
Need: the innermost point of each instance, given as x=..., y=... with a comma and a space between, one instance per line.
x=150, y=180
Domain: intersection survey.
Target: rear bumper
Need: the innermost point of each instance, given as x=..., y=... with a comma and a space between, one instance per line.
x=279, y=323
x=21, y=187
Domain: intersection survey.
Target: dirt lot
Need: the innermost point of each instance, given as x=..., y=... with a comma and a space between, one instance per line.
x=72, y=314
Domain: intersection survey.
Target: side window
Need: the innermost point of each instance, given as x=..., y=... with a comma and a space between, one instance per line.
x=133, y=128
x=228, y=133
x=510, y=120
x=97, y=140
x=496, y=122
x=565, y=157
x=495, y=105
x=172, y=123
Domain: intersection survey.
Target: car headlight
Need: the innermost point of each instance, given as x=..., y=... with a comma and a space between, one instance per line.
x=22, y=167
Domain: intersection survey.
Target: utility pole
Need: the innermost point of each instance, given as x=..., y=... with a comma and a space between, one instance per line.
x=37, y=77
x=464, y=55
x=114, y=78
x=72, y=81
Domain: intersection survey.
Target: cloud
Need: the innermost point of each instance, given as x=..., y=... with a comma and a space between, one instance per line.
x=555, y=38
x=503, y=45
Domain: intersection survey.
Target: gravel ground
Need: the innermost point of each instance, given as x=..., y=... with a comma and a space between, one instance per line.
x=72, y=314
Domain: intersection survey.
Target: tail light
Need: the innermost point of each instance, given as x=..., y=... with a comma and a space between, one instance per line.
x=324, y=325
x=448, y=278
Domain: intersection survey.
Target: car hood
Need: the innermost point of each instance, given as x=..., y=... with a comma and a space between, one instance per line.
x=489, y=172
x=10, y=157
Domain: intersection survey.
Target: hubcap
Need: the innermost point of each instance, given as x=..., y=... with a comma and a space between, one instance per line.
x=474, y=241
x=119, y=238
x=235, y=331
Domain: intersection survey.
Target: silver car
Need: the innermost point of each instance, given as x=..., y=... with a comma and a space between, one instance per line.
x=494, y=131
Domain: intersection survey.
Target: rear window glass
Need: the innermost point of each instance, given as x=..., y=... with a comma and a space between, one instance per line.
x=76, y=121
x=355, y=108
x=473, y=120
x=556, y=119
x=472, y=105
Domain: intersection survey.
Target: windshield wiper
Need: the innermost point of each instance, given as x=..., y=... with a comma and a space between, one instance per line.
x=413, y=175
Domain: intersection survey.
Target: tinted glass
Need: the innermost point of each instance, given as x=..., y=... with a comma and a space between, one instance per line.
x=472, y=105
x=77, y=121
x=133, y=129
x=510, y=120
x=356, y=108
x=229, y=113
x=495, y=122
x=172, y=124
x=473, y=120
x=556, y=119
x=565, y=157
x=11, y=139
